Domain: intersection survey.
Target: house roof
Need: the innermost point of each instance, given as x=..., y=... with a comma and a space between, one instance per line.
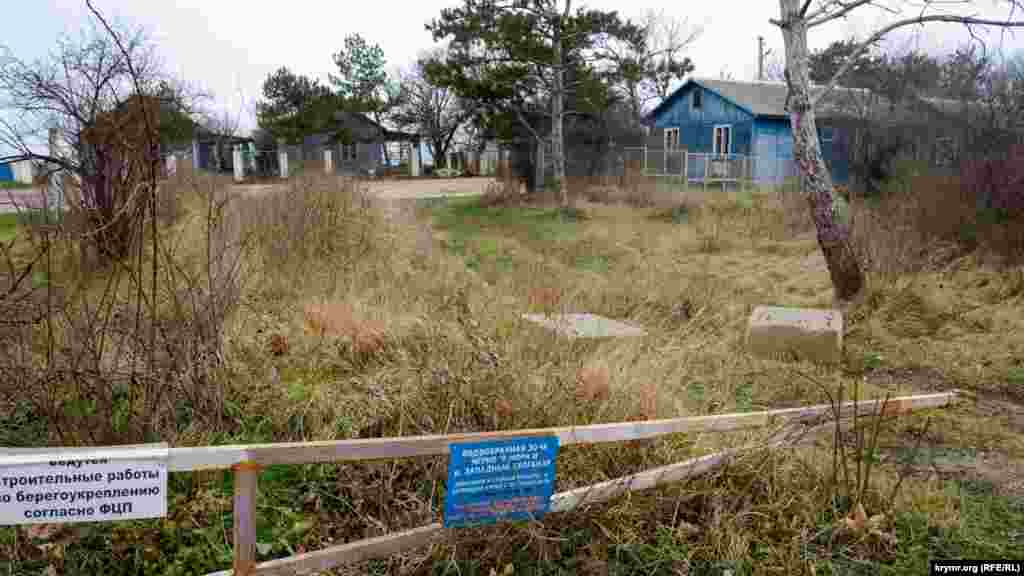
x=768, y=99
x=760, y=98
x=363, y=128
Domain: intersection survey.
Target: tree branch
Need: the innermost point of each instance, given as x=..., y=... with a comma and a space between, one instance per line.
x=823, y=14
x=864, y=46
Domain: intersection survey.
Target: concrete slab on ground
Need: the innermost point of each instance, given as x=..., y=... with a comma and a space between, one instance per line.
x=808, y=334
x=586, y=326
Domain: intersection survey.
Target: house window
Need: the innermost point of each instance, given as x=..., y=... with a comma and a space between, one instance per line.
x=671, y=138
x=348, y=152
x=697, y=99
x=722, y=140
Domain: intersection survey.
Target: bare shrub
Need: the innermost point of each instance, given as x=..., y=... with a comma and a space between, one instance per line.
x=924, y=222
x=127, y=352
x=310, y=219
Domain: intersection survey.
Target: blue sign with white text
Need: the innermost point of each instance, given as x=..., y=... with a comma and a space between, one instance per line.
x=500, y=480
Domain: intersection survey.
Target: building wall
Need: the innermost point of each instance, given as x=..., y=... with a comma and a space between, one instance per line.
x=6, y=174
x=774, y=150
x=369, y=156
x=696, y=126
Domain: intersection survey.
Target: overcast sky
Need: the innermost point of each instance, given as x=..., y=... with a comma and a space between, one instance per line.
x=229, y=46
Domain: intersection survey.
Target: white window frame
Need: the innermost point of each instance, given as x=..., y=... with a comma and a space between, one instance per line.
x=671, y=140
x=714, y=139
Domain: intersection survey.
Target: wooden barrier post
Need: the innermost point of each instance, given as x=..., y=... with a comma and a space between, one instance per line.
x=246, y=476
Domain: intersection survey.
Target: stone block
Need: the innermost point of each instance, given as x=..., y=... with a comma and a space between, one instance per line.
x=803, y=333
x=585, y=325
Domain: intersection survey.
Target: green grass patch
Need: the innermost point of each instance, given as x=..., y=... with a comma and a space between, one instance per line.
x=8, y=227
x=10, y=185
x=467, y=217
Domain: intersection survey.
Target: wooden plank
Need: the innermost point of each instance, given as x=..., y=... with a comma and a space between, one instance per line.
x=211, y=457
x=25, y=456
x=604, y=491
x=244, y=516
x=648, y=479
x=353, y=552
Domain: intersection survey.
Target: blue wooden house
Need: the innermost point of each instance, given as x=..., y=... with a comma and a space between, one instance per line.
x=745, y=119
x=856, y=129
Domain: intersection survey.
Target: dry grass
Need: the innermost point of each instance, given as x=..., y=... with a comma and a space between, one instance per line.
x=360, y=322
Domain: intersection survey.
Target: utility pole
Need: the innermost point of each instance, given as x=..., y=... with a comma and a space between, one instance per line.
x=760, y=57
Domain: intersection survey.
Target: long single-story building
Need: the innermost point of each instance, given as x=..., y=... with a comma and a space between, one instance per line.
x=358, y=144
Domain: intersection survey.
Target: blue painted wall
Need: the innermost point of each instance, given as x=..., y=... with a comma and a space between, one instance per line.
x=774, y=149
x=6, y=174
x=696, y=126
x=768, y=138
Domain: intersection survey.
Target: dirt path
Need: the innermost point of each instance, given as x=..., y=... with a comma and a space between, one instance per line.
x=393, y=189
x=956, y=455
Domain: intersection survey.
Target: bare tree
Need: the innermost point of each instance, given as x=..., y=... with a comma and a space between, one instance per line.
x=102, y=354
x=435, y=111
x=105, y=101
x=652, y=64
x=797, y=17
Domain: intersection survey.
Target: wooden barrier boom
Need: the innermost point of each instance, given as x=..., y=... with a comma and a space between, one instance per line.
x=225, y=457
x=246, y=461
x=568, y=501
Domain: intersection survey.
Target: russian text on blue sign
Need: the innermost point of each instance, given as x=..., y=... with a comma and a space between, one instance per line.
x=500, y=480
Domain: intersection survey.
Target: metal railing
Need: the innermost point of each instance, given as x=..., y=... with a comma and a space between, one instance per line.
x=708, y=169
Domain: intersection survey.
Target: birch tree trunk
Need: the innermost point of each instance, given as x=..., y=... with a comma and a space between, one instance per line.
x=815, y=179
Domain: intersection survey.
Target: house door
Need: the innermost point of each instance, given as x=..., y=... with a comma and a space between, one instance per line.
x=722, y=140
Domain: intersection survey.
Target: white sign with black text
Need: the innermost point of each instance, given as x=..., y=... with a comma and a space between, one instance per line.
x=83, y=485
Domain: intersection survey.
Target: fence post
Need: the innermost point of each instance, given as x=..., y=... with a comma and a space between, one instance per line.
x=540, y=171
x=644, y=171
x=282, y=158
x=414, y=159
x=707, y=157
x=237, y=163
x=328, y=161
x=686, y=173
x=54, y=183
x=246, y=475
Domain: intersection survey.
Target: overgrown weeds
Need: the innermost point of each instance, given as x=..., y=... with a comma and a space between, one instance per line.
x=347, y=326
